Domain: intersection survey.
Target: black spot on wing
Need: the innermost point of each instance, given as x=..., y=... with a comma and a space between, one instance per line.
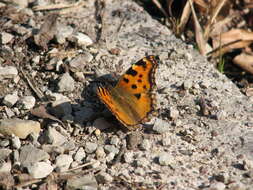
x=139, y=80
x=141, y=63
x=126, y=80
x=134, y=86
x=144, y=86
x=138, y=96
x=131, y=72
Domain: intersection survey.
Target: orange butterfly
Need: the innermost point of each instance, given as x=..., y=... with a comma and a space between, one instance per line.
x=132, y=100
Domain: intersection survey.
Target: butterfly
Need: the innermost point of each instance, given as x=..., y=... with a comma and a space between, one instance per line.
x=132, y=100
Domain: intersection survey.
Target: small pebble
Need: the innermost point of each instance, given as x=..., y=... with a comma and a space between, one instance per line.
x=111, y=148
x=82, y=39
x=66, y=83
x=161, y=126
x=80, y=155
x=9, y=72
x=104, y=177
x=90, y=147
x=146, y=144
x=128, y=157
x=114, y=140
x=165, y=159
x=10, y=99
x=16, y=143
x=27, y=102
x=100, y=153
x=63, y=162
x=6, y=37
x=217, y=186
x=40, y=170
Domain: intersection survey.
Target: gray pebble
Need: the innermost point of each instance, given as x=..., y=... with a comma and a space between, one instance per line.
x=142, y=162
x=27, y=102
x=161, y=126
x=86, y=182
x=8, y=72
x=217, y=186
x=5, y=167
x=10, y=99
x=66, y=83
x=63, y=162
x=16, y=143
x=111, y=148
x=165, y=159
x=114, y=140
x=104, y=177
x=128, y=157
x=100, y=153
x=6, y=37
x=40, y=169
x=63, y=32
x=80, y=155
x=90, y=147
x=146, y=144
x=173, y=113
x=81, y=39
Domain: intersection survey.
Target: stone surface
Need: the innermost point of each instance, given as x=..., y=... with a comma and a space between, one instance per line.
x=8, y=72
x=90, y=147
x=27, y=102
x=83, y=182
x=39, y=169
x=66, y=83
x=63, y=162
x=81, y=39
x=10, y=99
x=30, y=155
x=18, y=127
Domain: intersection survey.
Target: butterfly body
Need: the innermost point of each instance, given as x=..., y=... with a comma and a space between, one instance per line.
x=132, y=99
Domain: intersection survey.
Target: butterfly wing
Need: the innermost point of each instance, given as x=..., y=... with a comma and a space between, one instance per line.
x=131, y=99
x=139, y=78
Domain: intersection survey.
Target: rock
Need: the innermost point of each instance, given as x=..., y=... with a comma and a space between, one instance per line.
x=15, y=142
x=5, y=167
x=146, y=144
x=100, y=153
x=30, y=155
x=18, y=127
x=87, y=182
x=187, y=84
x=55, y=138
x=165, y=159
x=4, y=153
x=115, y=140
x=66, y=83
x=90, y=147
x=6, y=37
x=63, y=162
x=217, y=186
x=110, y=157
x=79, y=76
x=111, y=148
x=104, y=177
x=63, y=32
x=80, y=155
x=21, y=3
x=9, y=72
x=79, y=62
x=40, y=169
x=81, y=39
x=173, y=113
x=161, y=126
x=27, y=102
x=10, y=99
x=128, y=157
x=142, y=162
x=4, y=143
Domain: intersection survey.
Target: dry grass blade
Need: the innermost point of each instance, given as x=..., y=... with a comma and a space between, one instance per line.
x=212, y=18
x=159, y=6
x=184, y=18
x=245, y=61
x=56, y=6
x=198, y=32
x=233, y=39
